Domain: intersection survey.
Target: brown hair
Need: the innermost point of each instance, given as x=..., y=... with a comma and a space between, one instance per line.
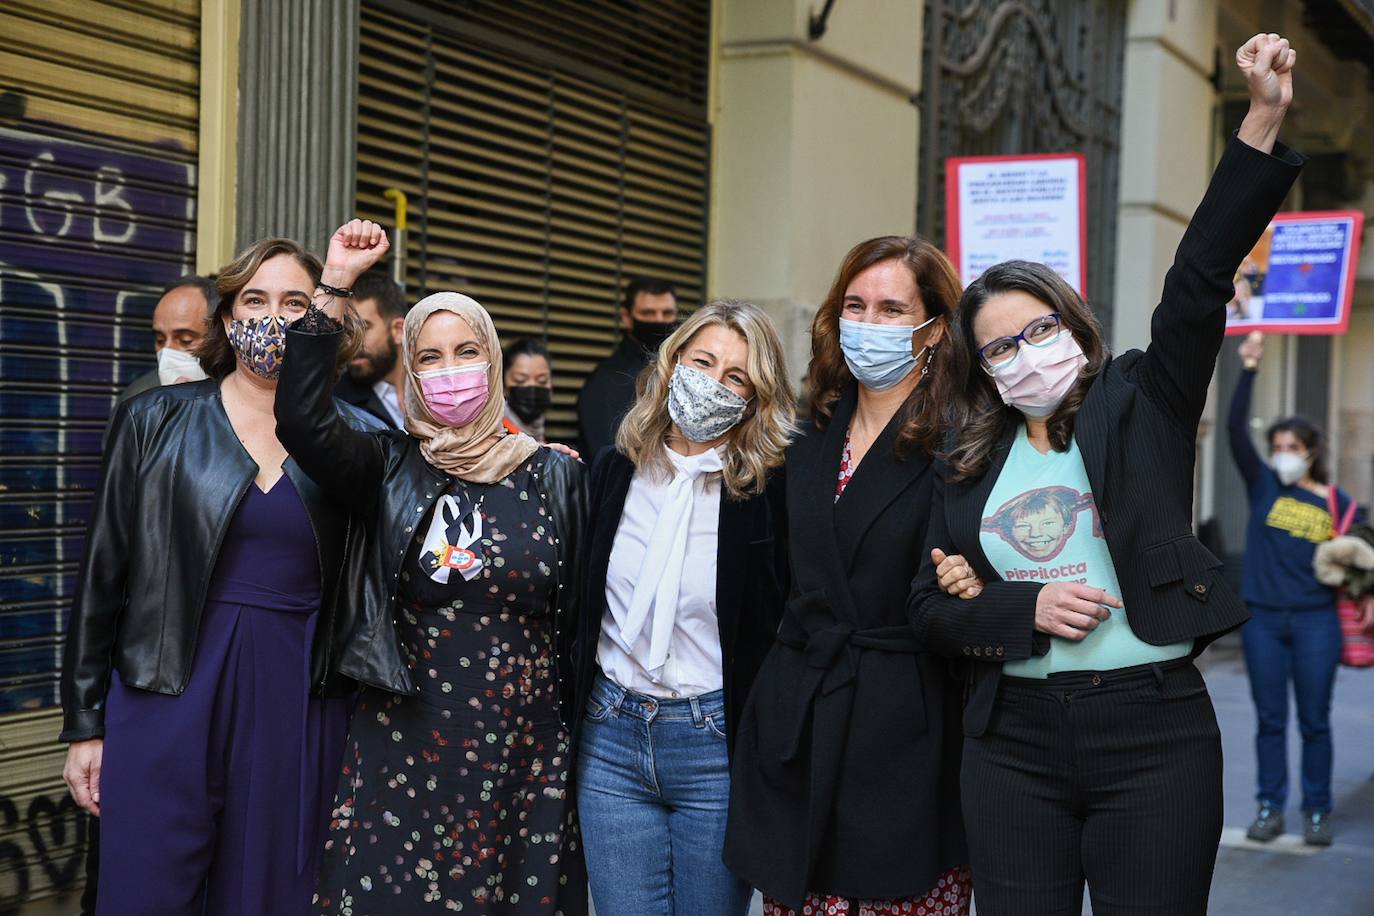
x=924, y=419
x=983, y=418
x=215, y=353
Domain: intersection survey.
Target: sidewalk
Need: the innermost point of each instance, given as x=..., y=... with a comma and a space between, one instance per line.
x=1287, y=878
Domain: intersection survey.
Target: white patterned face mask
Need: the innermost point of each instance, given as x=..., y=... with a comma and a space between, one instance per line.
x=702, y=407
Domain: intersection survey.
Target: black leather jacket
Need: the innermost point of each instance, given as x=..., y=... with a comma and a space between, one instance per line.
x=388, y=483
x=174, y=474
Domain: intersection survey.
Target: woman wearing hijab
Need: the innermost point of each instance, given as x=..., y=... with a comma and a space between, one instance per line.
x=455, y=788
x=844, y=798
x=1091, y=747
x=682, y=595
x=200, y=695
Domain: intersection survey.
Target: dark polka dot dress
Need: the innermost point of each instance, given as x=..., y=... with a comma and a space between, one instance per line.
x=457, y=799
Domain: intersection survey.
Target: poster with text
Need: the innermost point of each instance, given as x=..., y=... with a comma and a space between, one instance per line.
x=1300, y=276
x=1029, y=208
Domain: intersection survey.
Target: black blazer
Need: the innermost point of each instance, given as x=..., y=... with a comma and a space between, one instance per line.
x=608, y=394
x=1137, y=431
x=845, y=776
x=173, y=477
x=386, y=481
x=364, y=398
x=751, y=569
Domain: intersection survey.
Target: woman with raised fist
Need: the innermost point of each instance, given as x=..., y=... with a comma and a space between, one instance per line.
x=1091, y=748
x=455, y=784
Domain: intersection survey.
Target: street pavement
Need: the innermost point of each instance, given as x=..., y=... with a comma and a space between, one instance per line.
x=1284, y=878
x=1287, y=878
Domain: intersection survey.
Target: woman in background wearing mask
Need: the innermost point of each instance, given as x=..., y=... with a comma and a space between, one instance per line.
x=455, y=789
x=1092, y=749
x=197, y=675
x=845, y=790
x=529, y=387
x=1294, y=634
x=684, y=586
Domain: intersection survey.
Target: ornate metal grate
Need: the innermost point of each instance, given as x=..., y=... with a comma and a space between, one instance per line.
x=1026, y=76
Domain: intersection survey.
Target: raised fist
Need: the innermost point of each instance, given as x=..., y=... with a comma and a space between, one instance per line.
x=1252, y=349
x=353, y=248
x=1267, y=62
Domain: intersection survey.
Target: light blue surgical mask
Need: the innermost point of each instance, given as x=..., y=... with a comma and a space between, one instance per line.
x=879, y=355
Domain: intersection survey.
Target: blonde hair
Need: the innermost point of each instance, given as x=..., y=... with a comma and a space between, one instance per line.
x=755, y=446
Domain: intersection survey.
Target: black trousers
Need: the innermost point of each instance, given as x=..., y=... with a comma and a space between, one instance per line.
x=1113, y=778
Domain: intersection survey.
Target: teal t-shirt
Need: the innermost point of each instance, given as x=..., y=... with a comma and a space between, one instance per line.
x=1040, y=524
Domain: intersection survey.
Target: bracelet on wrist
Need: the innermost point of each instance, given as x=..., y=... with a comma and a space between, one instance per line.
x=334, y=291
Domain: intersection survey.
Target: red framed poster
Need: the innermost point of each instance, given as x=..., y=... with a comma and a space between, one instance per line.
x=1030, y=207
x=1300, y=277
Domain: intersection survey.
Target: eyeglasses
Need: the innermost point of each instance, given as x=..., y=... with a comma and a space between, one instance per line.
x=1039, y=333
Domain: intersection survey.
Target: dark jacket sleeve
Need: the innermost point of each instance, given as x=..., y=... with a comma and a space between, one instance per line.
x=777, y=507
x=87, y=655
x=1002, y=616
x=595, y=418
x=1189, y=324
x=346, y=463
x=1243, y=450
x=566, y=484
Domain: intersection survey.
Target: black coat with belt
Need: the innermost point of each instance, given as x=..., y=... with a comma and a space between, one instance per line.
x=751, y=570
x=386, y=481
x=845, y=773
x=1137, y=432
x=174, y=475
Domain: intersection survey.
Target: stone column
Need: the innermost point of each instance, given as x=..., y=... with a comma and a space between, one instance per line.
x=815, y=148
x=298, y=110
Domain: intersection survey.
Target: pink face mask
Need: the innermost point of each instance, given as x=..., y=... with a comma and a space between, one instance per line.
x=1038, y=379
x=457, y=394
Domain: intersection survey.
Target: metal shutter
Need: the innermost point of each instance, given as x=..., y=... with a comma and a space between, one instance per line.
x=98, y=131
x=536, y=186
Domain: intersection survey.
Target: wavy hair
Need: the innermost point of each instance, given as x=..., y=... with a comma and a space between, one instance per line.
x=925, y=413
x=215, y=353
x=756, y=445
x=982, y=417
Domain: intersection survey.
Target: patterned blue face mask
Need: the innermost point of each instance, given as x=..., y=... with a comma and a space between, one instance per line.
x=879, y=355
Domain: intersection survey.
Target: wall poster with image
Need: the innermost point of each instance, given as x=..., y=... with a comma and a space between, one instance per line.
x=1300, y=276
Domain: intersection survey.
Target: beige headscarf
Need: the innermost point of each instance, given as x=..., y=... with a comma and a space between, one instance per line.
x=483, y=451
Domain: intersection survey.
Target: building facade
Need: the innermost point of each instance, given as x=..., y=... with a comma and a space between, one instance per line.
x=547, y=152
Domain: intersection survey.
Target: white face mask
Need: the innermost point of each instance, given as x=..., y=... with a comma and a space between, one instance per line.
x=1290, y=467
x=177, y=365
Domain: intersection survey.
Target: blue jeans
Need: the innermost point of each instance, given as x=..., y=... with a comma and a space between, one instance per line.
x=1303, y=646
x=653, y=787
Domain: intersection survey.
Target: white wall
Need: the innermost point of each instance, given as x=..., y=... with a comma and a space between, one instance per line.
x=815, y=148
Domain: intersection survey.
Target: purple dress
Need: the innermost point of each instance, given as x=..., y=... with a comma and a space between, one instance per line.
x=215, y=801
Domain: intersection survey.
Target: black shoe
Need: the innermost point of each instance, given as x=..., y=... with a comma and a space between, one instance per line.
x=1317, y=830
x=1268, y=825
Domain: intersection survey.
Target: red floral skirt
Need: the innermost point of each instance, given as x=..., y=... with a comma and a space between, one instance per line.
x=949, y=897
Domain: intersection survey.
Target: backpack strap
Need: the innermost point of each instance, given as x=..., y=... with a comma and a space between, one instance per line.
x=1346, y=519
